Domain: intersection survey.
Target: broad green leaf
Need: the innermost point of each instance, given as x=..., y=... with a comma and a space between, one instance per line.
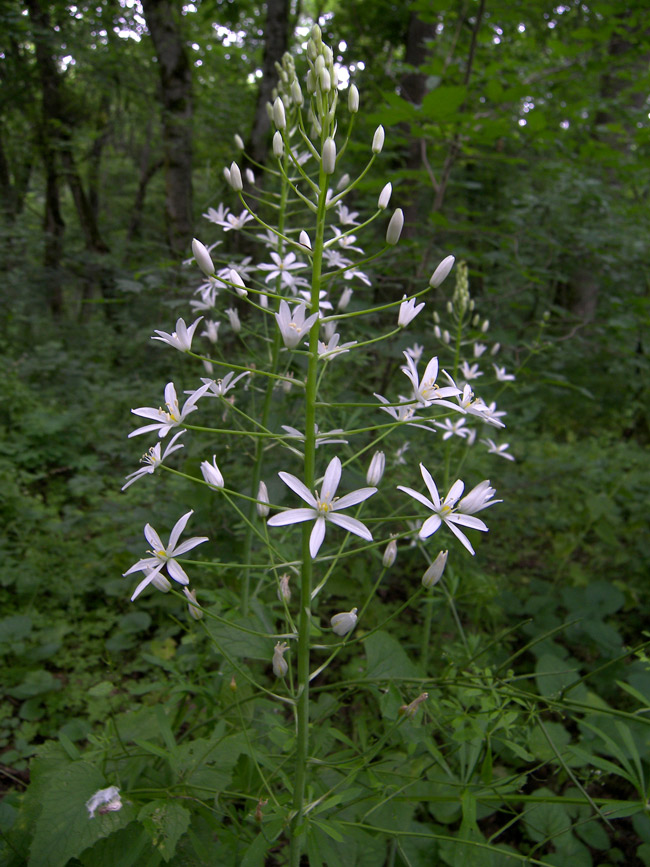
x=125, y=848
x=444, y=101
x=552, y=675
x=255, y=854
x=546, y=821
x=387, y=659
x=165, y=822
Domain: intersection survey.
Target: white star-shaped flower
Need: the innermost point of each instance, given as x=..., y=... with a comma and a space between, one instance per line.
x=501, y=450
x=324, y=508
x=153, y=459
x=162, y=555
x=427, y=392
x=444, y=511
x=408, y=311
x=165, y=420
x=180, y=339
x=292, y=323
x=501, y=374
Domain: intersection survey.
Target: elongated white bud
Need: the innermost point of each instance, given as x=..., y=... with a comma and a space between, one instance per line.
x=390, y=554
x=345, y=298
x=202, y=257
x=343, y=182
x=325, y=81
x=296, y=92
x=226, y=174
x=262, y=501
x=435, y=570
x=353, y=99
x=233, y=318
x=304, y=239
x=344, y=622
x=250, y=177
x=384, y=196
x=329, y=156
x=280, y=664
x=239, y=142
x=240, y=288
x=376, y=469
x=395, y=227
x=319, y=64
x=378, y=140
x=278, y=144
x=485, y=326
x=193, y=608
x=279, y=117
x=235, y=178
x=212, y=474
x=442, y=271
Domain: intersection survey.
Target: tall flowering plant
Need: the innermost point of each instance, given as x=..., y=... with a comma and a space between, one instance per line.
x=321, y=500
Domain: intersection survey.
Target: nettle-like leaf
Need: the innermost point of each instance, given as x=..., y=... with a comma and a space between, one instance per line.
x=165, y=822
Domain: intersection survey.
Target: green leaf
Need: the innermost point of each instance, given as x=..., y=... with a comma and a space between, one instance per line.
x=387, y=658
x=232, y=639
x=124, y=848
x=443, y=102
x=552, y=675
x=35, y=683
x=63, y=829
x=546, y=821
x=255, y=855
x=165, y=822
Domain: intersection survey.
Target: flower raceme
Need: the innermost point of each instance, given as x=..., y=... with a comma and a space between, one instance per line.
x=446, y=511
x=324, y=508
x=162, y=555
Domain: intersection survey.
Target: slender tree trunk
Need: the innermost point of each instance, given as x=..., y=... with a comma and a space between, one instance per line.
x=275, y=45
x=177, y=109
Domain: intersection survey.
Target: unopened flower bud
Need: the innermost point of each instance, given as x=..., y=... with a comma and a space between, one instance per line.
x=311, y=81
x=343, y=182
x=284, y=591
x=378, y=140
x=437, y=332
x=328, y=57
x=193, y=607
x=325, y=81
x=329, y=328
x=495, y=349
x=161, y=583
x=344, y=622
x=471, y=305
x=278, y=145
x=435, y=570
x=353, y=99
x=442, y=271
x=233, y=317
x=269, y=111
x=376, y=469
x=546, y=315
x=329, y=156
x=203, y=259
x=296, y=92
x=450, y=307
x=212, y=474
x=226, y=174
x=445, y=336
x=236, y=279
x=262, y=500
x=304, y=239
x=390, y=554
x=233, y=684
x=436, y=317
x=395, y=226
x=475, y=320
x=287, y=385
x=250, y=177
x=384, y=196
x=279, y=117
x=235, y=178
x=280, y=664
x=485, y=326
x=344, y=300
x=239, y=142
x=317, y=35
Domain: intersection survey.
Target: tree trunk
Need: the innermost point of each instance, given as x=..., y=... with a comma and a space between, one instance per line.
x=275, y=45
x=177, y=108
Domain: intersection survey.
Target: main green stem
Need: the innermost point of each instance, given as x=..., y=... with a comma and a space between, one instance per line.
x=298, y=831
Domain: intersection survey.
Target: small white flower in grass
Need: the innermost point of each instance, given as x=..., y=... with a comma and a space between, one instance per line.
x=221, y=387
x=331, y=348
x=193, y=607
x=442, y=271
x=390, y=554
x=427, y=392
x=353, y=273
x=344, y=622
x=378, y=140
x=165, y=420
x=452, y=428
x=479, y=498
x=501, y=374
x=324, y=507
x=280, y=664
x=376, y=469
x=395, y=227
x=443, y=511
x=233, y=318
x=211, y=330
x=470, y=371
x=212, y=474
x=153, y=459
x=408, y=311
x=435, y=570
x=217, y=216
x=292, y=323
x=479, y=349
x=494, y=449
x=262, y=501
x=384, y=196
x=104, y=801
x=180, y=339
x=164, y=556
x=202, y=257
x=322, y=439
